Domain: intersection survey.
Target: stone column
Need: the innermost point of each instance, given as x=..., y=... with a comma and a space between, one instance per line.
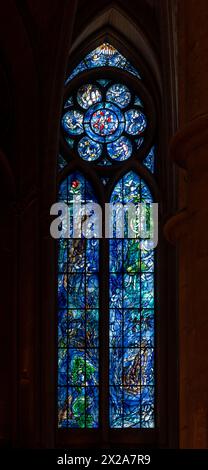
x=188, y=229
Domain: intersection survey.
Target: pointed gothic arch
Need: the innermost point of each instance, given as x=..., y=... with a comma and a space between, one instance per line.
x=91, y=86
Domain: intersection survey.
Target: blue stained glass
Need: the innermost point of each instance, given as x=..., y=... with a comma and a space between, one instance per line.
x=62, y=366
x=131, y=335
x=78, y=319
x=62, y=328
x=62, y=407
x=75, y=255
x=76, y=185
x=131, y=328
x=116, y=255
x=131, y=369
x=105, y=180
x=116, y=290
x=147, y=260
x=121, y=149
x=131, y=188
x=116, y=326
x=92, y=296
x=72, y=122
x=62, y=194
x=119, y=94
x=147, y=366
x=131, y=256
x=103, y=82
x=81, y=67
x=145, y=193
x=138, y=101
x=92, y=407
x=62, y=290
x=104, y=162
x=131, y=407
x=61, y=163
x=69, y=102
x=76, y=332
x=76, y=407
x=131, y=290
x=104, y=122
x=139, y=142
x=87, y=95
x=147, y=291
x=92, y=255
x=147, y=327
x=147, y=394
x=76, y=291
x=62, y=256
x=89, y=150
x=103, y=119
x=76, y=367
x=70, y=142
x=147, y=416
x=116, y=362
x=104, y=56
x=149, y=161
x=136, y=122
x=116, y=407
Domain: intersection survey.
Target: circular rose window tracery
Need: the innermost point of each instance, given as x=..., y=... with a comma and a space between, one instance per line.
x=103, y=119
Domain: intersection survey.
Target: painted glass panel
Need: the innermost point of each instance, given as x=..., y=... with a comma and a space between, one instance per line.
x=78, y=319
x=103, y=56
x=131, y=329
x=105, y=124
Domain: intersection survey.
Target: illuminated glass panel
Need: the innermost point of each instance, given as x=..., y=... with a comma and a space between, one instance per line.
x=121, y=149
x=104, y=122
x=105, y=119
x=131, y=366
x=119, y=94
x=103, y=56
x=88, y=95
x=149, y=161
x=78, y=318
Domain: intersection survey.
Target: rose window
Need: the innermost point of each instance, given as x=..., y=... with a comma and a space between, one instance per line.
x=104, y=120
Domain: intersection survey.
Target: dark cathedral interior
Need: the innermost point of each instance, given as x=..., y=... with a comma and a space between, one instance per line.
x=41, y=43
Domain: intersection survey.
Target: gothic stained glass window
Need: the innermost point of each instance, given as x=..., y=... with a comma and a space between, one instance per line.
x=78, y=318
x=131, y=320
x=106, y=124
x=104, y=55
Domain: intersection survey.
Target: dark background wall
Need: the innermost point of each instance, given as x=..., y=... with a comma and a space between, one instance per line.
x=35, y=38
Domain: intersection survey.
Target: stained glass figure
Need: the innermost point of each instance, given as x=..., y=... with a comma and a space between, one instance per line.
x=78, y=319
x=131, y=332
x=135, y=121
x=104, y=56
x=121, y=149
x=119, y=94
x=103, y=121
x=73, y=122
x=88, y=95
x=88, y=149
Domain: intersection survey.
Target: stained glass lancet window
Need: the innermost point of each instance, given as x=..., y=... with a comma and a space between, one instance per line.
x=78, y=294
x=106, y=124
x=131, y=320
